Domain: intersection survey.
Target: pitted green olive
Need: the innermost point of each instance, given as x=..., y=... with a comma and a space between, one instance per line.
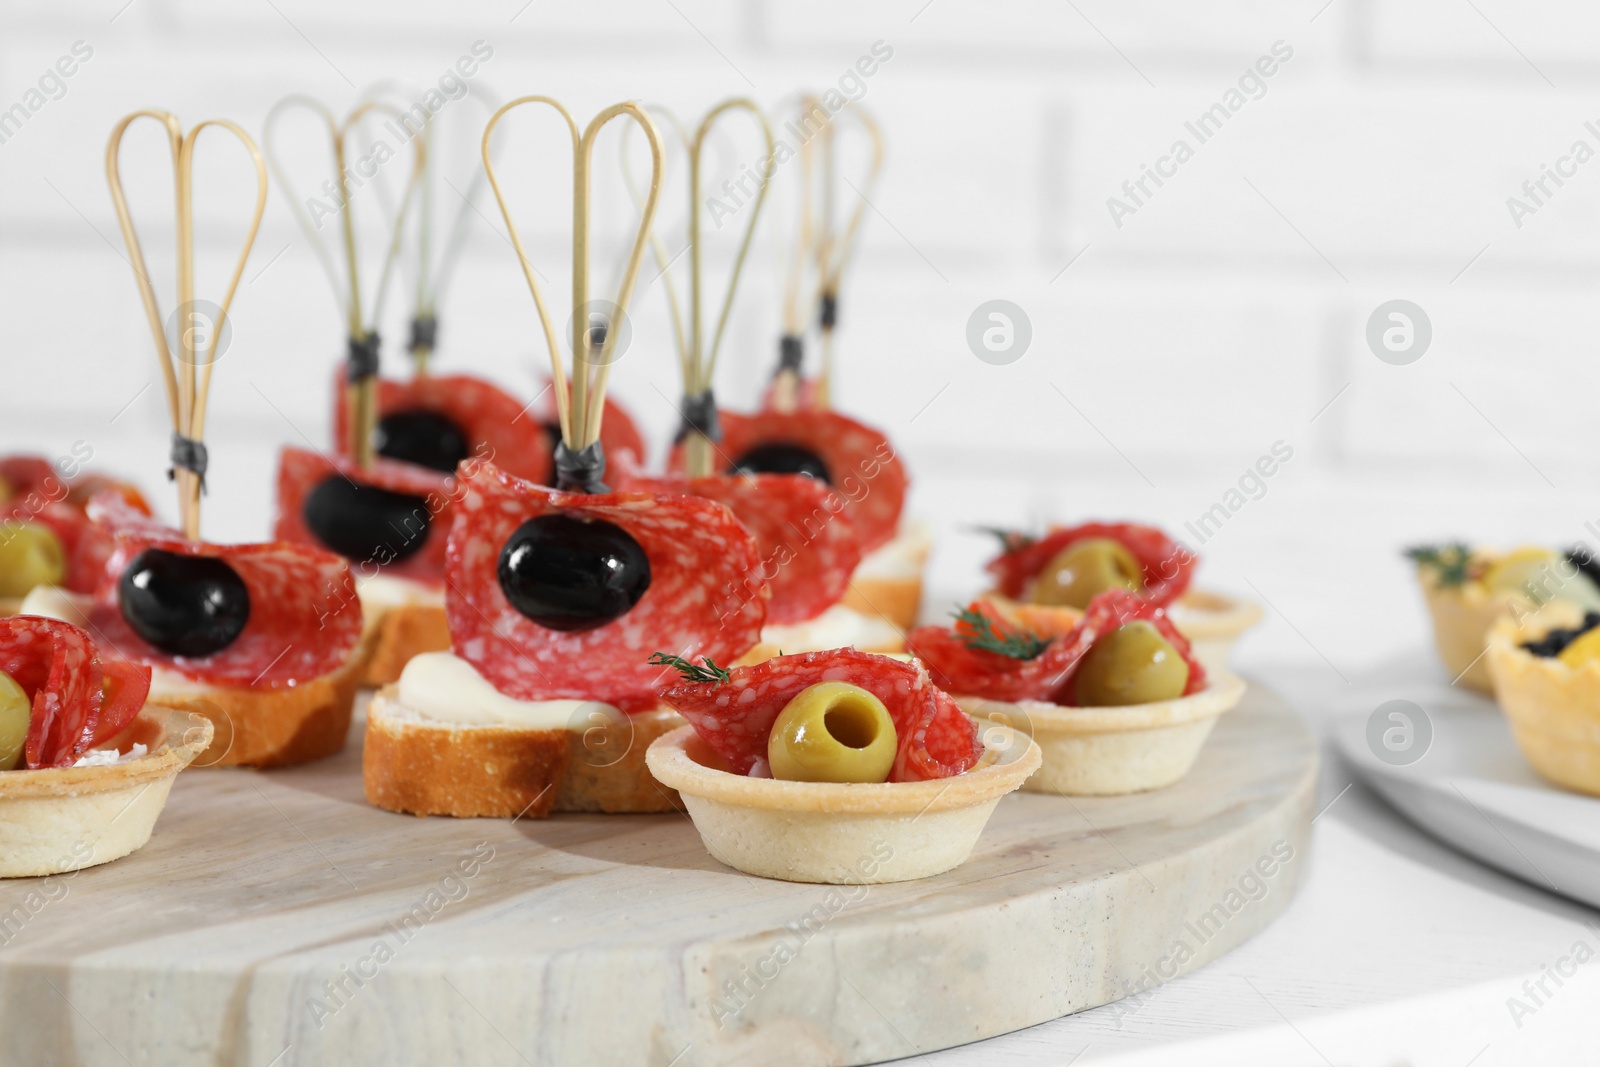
x=16, y=712
x=1132, y=664
x=833, y=732
x=1081, y=571
x=30, y=555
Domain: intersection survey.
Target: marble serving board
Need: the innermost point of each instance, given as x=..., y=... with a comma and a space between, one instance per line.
x=276, y=920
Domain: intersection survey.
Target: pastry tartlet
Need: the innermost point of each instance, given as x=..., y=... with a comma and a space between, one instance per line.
x=1065, y=568
x=59, y=819
x=1115, y=698
x=903, y=794
x=1468, y=591
x=85, y=761
x=1213, y=623
x=1546, y=675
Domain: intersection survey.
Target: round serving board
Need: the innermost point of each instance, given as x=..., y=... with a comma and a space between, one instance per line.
x=276, y=919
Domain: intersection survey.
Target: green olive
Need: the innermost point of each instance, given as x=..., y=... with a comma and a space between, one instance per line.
x=30, y=555
x=833, y=732
x=16, y=712
x=1084, y=569
x=1132, y=664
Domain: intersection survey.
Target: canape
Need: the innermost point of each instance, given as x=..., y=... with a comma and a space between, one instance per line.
x=1468, y=590
x=1068, y=566
x=555, y=599
x=839, y=767
x=1116, y=699
x=258, y=638
x=1546, y=675
x=85, y=762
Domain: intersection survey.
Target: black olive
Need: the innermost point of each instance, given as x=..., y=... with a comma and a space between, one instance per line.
x=183, y=605
x=572, y=574
x=425, y=438
x=777, y=457
x=365, y=523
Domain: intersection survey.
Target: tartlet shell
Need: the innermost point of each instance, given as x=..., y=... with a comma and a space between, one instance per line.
x=1553, y=709
x=63, y=819
x=834, y=833
x=1111, y=751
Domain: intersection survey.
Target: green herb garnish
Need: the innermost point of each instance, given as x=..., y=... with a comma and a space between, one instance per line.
x=1450, y=563
x=979, y=633
x=691, y=671
x=1010, y=540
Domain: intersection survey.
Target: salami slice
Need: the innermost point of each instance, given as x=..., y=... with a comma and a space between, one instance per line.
x=426, y=520
x=55, y=664
x=1168, y=566
x=861, y=463
x=957, y=668
x=304, y=616
x=697, y=552
x=33, y=481
x=936, y=738
x=808, y=546
x=496, y=425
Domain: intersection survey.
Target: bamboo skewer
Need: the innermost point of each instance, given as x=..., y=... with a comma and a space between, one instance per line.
x=824, y=248
x=361, y=389
x=833, y=250
x=432, y=275
x=699, y=447
x=580, y=461
x=189, y=386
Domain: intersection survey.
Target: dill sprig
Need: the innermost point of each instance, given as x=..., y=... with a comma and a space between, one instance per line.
x=1010, y=540
x=979, y=633
x=691, y=671
x=1450, y=563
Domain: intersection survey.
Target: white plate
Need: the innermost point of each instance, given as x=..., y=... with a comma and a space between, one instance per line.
x=1468, y=783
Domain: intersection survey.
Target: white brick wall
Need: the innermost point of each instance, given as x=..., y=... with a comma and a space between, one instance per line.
x=1222, y=316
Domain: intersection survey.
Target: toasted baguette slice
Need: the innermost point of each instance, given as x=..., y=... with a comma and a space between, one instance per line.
x=888, y=583
x=897, y=599
x=425, y=767
x=271, y=727
x=403, y=631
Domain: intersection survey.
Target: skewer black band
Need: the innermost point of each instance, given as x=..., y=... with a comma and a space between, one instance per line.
x=700, y=416
x=187, y=454
x=828, y=313
x=424, y=332
x=362, y=360
x=581, y=471
x=791, y=353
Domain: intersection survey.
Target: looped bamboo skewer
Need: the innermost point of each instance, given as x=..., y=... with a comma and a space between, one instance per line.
x=581, y=409
x=820, y=247
x=832, y=249
x=658, y=248
x=187, y=389
x=431, y=276
x=360, y=395
x=700, y=367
